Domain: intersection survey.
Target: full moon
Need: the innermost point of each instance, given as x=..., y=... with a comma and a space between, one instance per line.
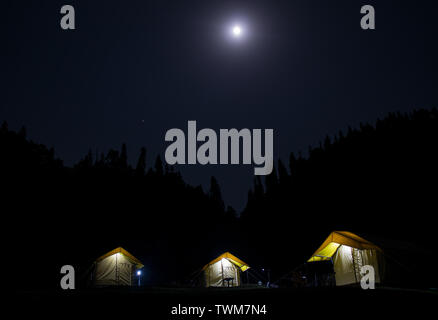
x=237, y=31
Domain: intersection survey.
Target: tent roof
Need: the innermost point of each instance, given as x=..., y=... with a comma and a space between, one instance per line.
x=337, y=238
x=120, y=250
x=233, y=259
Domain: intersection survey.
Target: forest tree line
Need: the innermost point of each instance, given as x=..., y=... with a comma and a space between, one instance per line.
x=375, y=180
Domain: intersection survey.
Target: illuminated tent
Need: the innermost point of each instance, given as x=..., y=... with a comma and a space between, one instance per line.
x=348, y=253
x=116, y=268
x=224, y=271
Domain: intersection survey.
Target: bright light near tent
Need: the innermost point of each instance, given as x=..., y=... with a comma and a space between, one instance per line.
x=139, y=273
x=345, y=250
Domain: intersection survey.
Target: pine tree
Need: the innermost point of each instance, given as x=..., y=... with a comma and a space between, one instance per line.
x=124, y=157
x=292, y=165
x=22, y=133
x=271, y=181
x=5, y=127
x=158, y=166
x=215, y=194
x=283, y=177
x=230, y=214
x=327, y=143
x=112, y=159
x=140, y=169
x=258, y=189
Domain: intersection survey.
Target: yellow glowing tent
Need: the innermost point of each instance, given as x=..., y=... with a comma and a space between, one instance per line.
x=349, y=253
x=116, y=267
x=224, y=271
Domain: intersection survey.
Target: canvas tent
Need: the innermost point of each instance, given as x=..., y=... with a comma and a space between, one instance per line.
x=115, y=268
x=348, y=253
x=224, y=271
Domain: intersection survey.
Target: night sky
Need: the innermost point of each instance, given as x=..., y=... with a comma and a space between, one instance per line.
x=134, y=69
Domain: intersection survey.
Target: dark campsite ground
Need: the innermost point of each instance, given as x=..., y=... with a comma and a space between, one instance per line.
x=281, y=303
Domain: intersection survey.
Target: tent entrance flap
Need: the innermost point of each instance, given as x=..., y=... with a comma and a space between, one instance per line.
x=115, y=268
x=224, y=271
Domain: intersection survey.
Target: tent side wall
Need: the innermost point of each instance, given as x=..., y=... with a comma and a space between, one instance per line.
x=215, y=274
x=348, y=262
x=113, y=271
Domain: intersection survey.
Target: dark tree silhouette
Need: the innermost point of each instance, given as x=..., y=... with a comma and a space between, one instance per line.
x=158, y=166
x=216, y=195
x=124, y=157
x=140, y=169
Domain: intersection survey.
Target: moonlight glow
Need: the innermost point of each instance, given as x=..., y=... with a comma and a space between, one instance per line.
x=237, y=31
